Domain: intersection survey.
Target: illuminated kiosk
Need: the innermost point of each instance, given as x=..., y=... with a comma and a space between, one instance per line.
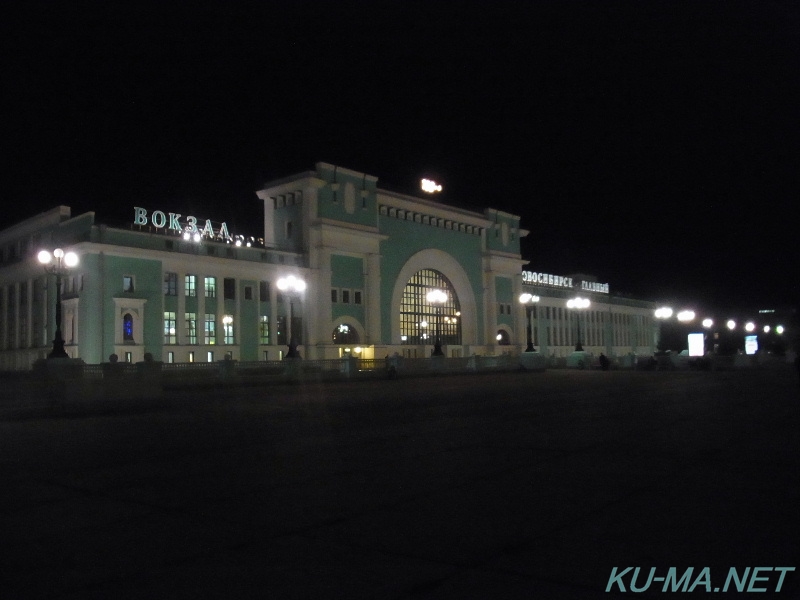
x=185, y=288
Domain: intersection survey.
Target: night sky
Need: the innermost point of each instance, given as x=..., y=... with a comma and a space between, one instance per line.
x=653, y=144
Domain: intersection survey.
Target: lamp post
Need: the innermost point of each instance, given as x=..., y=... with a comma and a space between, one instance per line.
x=662, y=314
x=578, y=304
x=437, y=298
x=529, y=300
x=291, y=286
x=58, y=263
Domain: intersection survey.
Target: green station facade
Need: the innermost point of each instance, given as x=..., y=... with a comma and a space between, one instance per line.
x=338, y=267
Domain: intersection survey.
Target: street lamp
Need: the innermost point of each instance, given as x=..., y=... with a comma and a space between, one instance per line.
x=578, y=304
x=437, y=298
x=529, y=300
x=58, y=263
x=291, y=286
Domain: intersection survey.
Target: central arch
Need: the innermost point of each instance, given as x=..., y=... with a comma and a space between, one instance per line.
x=448, y=266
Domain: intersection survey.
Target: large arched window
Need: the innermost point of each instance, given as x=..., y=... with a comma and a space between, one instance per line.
x=345, y=334
x=421, y=321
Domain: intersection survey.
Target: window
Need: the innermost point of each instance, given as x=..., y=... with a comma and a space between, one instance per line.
x=127, y=328
x=263, y=330
x=210, y=356
x=227, y=330
x=248, y=292
x=210, y=329
x=191, y=327
x=170, y=284
x=420, y=320
x=191, y=356
x=127, y=284
x=345, y=334
x=334, y=296
x=211, y=287
x=345, y=296
x=169, y=328
x=190, y=283
x=263, y=291
x=357, y=297
x=170, y=357
x=288, y=229
x=229, y=288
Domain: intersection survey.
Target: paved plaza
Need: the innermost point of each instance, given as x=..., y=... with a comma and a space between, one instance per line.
x=502, y=485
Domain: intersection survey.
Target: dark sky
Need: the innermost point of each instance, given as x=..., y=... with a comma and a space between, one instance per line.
x=654, y=144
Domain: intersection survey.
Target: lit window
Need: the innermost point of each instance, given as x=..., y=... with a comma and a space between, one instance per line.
x=263, y=330
x=127, y=284
x=127, y=328
x=169, y=328
x=191, y=327
x=210, y=329
x=211, y=287
x=190, y=282
x=420, y=320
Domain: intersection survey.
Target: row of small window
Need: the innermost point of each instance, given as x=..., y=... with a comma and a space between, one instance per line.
x=209, y=287
x=209, y=329
x=345, y=296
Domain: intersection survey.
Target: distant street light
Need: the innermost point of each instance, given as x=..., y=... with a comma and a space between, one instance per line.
x=529, y=300
x=578, y=304
x=58, y=263
x=708, y=323
x=685, y=316
x=731, y=324
x=663, y=312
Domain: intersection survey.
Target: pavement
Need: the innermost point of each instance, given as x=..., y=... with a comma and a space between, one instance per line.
x=502, y=485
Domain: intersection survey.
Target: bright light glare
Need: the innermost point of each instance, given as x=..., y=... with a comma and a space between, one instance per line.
x=291, y=283
x=779, y=329
x=430, y=186
x=731, y=324
x=707, y=323
x=686, y=315
x=750, y=326
x=578, y=303
x=70, y=259
x=58, y=253
x=766, y=328
x=664, y=312
x=44, y=257
x=526, y=297
x=436, y=297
